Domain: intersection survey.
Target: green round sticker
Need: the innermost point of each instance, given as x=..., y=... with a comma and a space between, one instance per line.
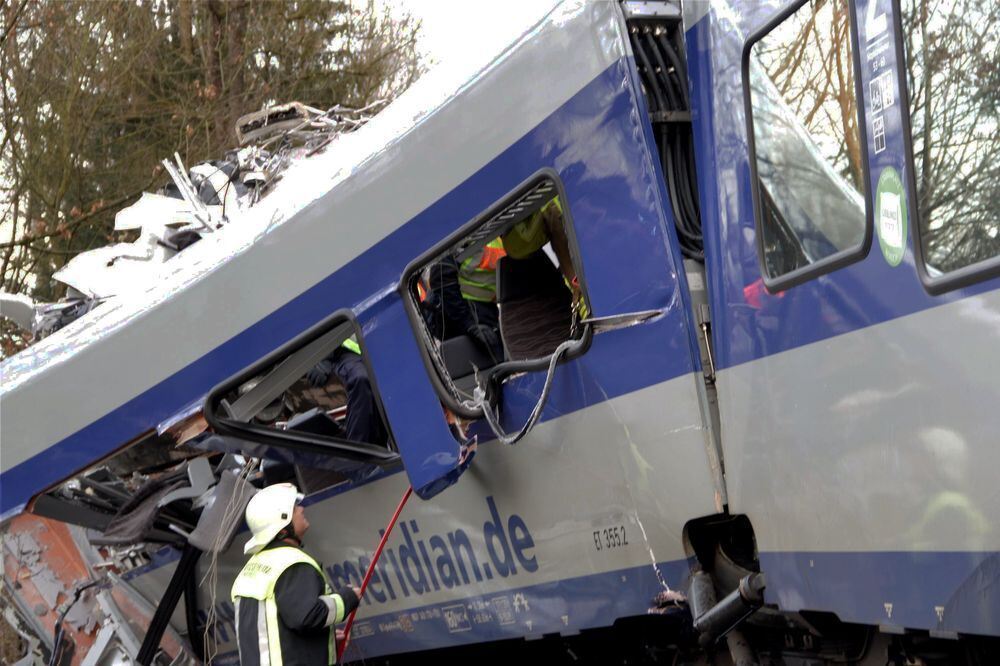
x=890, y=216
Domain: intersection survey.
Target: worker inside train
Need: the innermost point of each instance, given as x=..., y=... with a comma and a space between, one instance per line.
x=363, y=422
x=539, y=302
x=512, y=296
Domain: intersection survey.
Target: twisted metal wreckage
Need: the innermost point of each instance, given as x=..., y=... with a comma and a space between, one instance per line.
x=52, y=602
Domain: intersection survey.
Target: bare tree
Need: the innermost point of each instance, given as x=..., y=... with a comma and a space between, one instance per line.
x=95, y=94
x=816, y=79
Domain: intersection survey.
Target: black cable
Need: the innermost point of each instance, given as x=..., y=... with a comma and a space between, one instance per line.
x=678, y=68
x=667, y=90
x=664, y=76
x=637, y=47
x=687, y=200
x=647, y=84
x=688, y=237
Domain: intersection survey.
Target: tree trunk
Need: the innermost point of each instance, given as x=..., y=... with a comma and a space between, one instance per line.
x=184, y=30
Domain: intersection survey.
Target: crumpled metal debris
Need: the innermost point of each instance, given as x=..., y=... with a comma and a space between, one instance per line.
x=198, y=201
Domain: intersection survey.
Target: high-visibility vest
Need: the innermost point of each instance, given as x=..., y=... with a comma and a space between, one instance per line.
x=257, y=581
x=530, y=235
x=477, y=276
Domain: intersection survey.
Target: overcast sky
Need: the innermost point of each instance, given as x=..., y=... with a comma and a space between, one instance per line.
x=451, y=28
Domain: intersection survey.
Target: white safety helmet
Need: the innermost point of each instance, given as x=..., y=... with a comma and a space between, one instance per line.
x=268, y=512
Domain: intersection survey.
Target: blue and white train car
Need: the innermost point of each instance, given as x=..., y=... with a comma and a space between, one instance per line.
x=809, y=393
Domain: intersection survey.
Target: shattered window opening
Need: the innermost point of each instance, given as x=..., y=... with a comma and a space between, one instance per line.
x=508, y=290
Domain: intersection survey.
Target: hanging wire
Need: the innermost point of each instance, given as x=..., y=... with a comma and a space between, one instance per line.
x=210, y=641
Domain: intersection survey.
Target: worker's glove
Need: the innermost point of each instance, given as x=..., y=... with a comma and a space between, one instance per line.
x=486, y=336
x=320, y=373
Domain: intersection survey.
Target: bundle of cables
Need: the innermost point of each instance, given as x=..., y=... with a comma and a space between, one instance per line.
x=659, y=54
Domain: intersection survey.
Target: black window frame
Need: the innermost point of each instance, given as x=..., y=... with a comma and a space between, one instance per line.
x=840, y=259
x=980, y=271
x=498, y=373
x=383, y=456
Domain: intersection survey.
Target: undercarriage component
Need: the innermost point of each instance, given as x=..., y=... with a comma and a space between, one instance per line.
x=713, y=620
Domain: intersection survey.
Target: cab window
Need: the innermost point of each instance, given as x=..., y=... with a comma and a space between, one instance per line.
x=806, y=150
x=311, y=405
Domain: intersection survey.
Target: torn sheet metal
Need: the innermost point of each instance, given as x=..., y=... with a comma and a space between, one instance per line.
x=114, y=270
x=42, y=567
x=154, y=212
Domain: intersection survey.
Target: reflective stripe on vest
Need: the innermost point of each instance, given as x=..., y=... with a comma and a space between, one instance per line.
x=477, y=276
x=257, y=581
x=350, y=344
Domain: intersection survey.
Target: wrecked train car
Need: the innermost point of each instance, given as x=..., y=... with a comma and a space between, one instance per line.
x=739, y=399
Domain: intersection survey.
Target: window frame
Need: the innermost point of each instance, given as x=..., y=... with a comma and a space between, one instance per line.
x=979, y=271
x=383, y=456
x=495, y=375
x=840, y=259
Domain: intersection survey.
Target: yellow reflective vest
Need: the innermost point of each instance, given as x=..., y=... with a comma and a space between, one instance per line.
x=257, y=581
x=530, y=235
x=477, y=276
x=352, y=344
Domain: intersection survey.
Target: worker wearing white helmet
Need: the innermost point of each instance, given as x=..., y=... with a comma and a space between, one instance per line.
x=285, y=607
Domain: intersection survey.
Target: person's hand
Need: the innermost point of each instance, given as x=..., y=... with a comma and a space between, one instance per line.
x=356, y=590
x=320, y=373
x=340, y=635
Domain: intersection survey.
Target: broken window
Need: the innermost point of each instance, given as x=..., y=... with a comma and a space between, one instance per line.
x=500, y=296
x=150, y=492
x=312, y=403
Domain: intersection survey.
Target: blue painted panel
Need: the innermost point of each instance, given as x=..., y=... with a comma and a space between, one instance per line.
x=963, y=587
x=598, y=145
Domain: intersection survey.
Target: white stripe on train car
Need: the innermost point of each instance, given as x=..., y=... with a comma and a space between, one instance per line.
x=906, y=427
